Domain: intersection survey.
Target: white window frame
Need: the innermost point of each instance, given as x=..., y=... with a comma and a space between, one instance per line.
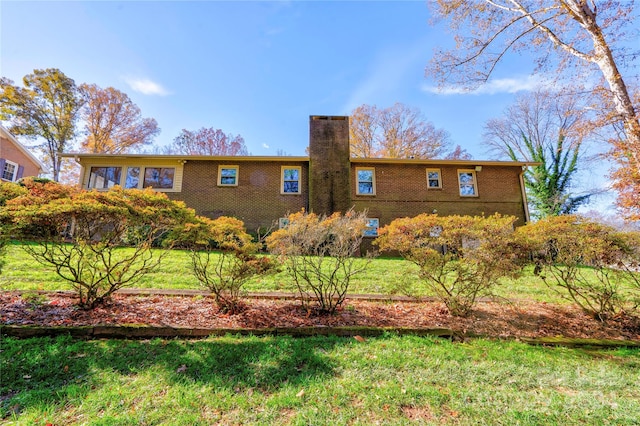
x=228, y=167
x=371, y=230
x=373, y=180
x=15, y=170
x=282, y=181
x=103, y=188
x=173, y=178
x=474, y=182
x=439, y=171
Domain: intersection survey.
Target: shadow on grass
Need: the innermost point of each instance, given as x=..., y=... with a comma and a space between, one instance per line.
x=34, y=371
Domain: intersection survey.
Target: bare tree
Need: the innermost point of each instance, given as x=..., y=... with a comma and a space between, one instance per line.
x=566, y=35
x=113, y=123
x=546, y=128
x=207, y=141
x=395, y=132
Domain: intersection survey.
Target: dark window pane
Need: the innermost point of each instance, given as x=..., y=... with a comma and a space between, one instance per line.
x=158, y=177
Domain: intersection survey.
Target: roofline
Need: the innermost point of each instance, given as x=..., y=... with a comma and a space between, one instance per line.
x=24, y=150
x=433, y=161
x=227, y=158
x=80, y=156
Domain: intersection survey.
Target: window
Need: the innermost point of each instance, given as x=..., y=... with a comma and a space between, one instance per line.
x=290, y=180
x=133, y=177
x=372, y=227
x=227, y=175
x=434, y=179
x=366, y=181
x=10, y=170
x=158, y=177
x=104, y=177
x=467, y=183
x=283, y=222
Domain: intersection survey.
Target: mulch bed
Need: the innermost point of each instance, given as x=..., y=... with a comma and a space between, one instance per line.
x=490, y=318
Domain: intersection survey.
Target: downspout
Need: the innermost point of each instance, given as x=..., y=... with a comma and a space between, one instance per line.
x=524, y=196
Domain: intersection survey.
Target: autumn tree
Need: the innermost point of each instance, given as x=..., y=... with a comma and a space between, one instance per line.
x=47, y=107
x=573, y=37
x=207, y=141
x=395, y=132
x=113, y=123
x=548, y=129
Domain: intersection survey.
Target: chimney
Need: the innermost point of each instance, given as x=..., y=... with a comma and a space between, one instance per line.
x=329, y=164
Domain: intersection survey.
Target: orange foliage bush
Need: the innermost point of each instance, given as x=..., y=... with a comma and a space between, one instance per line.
x=80, y=233
x=460, y=258
x=319, y=254
x=223, y=258
x=588, y=263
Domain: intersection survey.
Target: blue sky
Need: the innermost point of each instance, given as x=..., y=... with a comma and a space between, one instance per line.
x=255, y=68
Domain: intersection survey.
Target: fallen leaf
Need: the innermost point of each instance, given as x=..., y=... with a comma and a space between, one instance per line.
x=359, y=338
x=300, y=394
x=181, y=369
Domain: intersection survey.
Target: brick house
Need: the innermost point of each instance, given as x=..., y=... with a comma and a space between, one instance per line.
x=263, y=190
x=15, y=160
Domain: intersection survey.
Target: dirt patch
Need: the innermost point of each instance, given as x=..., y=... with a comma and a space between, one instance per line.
x=495, y=319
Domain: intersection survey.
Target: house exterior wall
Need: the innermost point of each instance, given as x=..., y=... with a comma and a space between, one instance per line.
x=256, y=200
x=9, y=151
x=329, y=180
x=402, y=191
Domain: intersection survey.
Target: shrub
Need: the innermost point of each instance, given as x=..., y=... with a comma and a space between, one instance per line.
x=318, y=252
x=586, y=262
x=8, y=191
x=460, y=257
x=80, y=233
x=223, y=258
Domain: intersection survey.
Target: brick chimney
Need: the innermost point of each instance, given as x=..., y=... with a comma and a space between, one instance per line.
x=329, y=164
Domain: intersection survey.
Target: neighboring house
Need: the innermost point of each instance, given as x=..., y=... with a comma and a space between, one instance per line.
x=261, y=191
x=15, y=160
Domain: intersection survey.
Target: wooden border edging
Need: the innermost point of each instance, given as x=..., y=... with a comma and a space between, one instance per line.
x=148, y=332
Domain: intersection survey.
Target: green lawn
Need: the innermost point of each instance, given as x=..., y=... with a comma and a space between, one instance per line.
x=318, y=380
x=386, y=276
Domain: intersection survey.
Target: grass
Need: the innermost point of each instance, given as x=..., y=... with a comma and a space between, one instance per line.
x=316, y=380
x=319, y=380
x=386, y=276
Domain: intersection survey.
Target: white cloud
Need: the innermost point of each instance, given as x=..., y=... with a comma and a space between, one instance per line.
x=146, y=86
x=499, y=85
x=265, y=146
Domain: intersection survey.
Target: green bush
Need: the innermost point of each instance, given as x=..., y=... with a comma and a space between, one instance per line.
x=461, y=258
x=586, y=262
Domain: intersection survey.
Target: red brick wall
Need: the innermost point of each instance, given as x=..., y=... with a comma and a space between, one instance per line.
x=9, y=151
x=256, y=200
x=401, y=191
